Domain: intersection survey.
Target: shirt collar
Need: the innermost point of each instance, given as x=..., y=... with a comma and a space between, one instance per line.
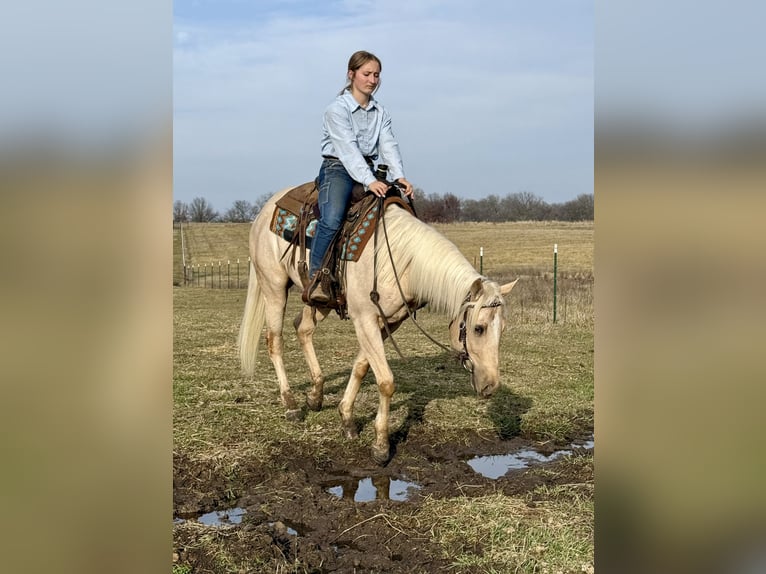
x=353, y=104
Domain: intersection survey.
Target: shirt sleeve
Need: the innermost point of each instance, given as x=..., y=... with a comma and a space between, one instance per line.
x=343, y=137
x=388, y=148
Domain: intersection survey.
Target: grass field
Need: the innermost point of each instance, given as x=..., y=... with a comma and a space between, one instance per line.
x=231, y=439
x=508, y=247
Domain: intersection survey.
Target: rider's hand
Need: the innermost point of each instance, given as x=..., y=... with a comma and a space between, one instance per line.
x=405, y=186
x=379, y=188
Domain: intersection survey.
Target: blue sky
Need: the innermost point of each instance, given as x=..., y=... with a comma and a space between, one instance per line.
x=486, y=97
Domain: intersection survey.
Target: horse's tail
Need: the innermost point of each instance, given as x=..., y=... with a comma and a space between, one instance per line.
x=252, y=324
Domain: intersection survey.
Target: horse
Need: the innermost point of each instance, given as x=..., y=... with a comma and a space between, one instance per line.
x=415, y=265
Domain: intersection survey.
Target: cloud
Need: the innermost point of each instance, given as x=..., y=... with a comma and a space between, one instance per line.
x=504, y=87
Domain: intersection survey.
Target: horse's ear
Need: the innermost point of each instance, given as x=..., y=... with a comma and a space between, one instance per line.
x=505, y=289
x=476, y=288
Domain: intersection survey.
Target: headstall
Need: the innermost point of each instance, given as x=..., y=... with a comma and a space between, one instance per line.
x=463, y=356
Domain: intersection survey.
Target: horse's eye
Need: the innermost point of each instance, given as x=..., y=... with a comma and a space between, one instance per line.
x=479, y=329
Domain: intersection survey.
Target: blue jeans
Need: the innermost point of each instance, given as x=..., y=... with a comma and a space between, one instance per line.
x=335, y=186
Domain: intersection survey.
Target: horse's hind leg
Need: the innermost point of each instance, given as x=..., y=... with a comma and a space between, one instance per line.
x=305, y=325
x=275, y=293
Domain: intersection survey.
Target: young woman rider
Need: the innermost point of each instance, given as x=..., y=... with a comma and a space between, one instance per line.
x=356, y=133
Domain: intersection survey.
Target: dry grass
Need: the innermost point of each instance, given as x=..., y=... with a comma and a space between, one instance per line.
x=516, y=247
x=213, y=242
x=510, y=249
x=546, y=395
x=548, y=530
x=547, y=368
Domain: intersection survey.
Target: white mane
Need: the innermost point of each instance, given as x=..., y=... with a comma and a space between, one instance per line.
x=438, y=272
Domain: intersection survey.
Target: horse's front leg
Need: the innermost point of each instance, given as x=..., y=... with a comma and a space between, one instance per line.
x=381, y=446
x=371, y=342
x=358, y=372
x=305, y=325
x=346, y=405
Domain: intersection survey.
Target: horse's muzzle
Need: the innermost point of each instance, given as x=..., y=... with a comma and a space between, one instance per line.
x=484, y=390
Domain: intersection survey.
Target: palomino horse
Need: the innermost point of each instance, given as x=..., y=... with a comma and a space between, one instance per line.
x=427, y=268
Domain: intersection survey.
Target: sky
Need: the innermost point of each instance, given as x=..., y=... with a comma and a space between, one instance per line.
x=490, y=97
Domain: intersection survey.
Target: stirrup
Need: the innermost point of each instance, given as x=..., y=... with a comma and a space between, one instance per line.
x=316, y=291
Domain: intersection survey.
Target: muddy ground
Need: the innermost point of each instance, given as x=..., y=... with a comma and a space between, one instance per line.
x=294, y=523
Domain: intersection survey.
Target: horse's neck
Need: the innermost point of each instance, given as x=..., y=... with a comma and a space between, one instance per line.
x=447, y=279
x=438, y=273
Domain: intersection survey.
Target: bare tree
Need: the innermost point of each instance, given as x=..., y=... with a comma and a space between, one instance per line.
x=579, y=209
x=180, y=212
x=201, y=211
x=524, y=206
x=471, y=210
x=427, y=206
x=241, y=212
x=259, y=203
x=451, y=208
x=436, y=208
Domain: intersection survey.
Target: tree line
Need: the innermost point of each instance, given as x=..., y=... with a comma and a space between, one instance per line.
x=431, y=208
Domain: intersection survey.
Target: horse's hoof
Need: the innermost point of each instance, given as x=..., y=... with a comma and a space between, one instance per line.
x=314, y=404
x=380, y=456
x=294, y=415
x=350, y=432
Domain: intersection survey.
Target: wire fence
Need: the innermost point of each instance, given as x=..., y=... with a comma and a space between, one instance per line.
x=216, y=274
x=221, y=275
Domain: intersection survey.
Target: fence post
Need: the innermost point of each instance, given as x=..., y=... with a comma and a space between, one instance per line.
x=481, y=260
x=555, y=264
x=228, y=273
x=219, y=273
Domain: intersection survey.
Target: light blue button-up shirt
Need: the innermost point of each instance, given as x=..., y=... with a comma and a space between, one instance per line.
x=351, y=132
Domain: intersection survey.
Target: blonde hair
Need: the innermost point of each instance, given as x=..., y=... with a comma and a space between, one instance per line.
x=356, y=61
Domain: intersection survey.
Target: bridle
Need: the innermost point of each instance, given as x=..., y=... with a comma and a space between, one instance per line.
x=463, y=356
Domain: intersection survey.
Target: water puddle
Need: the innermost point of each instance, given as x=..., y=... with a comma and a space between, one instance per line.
x=228, y=517
x=495, y=466
x=372, y=488
x=283, y=526
x=232, y=517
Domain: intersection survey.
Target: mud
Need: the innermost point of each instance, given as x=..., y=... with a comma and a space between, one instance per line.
x=333, y=514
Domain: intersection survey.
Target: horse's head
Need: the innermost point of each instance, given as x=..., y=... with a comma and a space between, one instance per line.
x=475, y=333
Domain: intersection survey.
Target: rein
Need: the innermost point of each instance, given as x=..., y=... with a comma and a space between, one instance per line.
x=374, y=295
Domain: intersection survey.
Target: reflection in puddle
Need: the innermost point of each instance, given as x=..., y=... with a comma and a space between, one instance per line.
x=215, y=518
x=232, y=516
x=283, y=527
x=371, y=488
x=498, y=465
